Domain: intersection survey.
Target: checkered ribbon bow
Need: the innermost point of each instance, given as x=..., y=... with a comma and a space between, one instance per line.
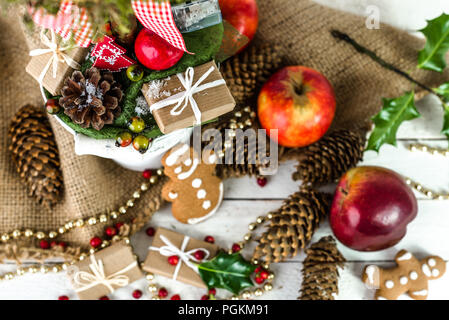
x=71, y=20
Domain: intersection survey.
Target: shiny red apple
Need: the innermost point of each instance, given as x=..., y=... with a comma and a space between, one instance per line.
x=154, y=52
x=243, y=15
x=300, y=103
x=372, y=208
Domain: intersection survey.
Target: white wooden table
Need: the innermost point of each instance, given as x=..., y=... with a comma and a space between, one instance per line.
x=244, y=200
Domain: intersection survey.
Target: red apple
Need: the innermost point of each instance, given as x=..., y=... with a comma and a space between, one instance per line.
x=154, y=52
x=300, y=103
x=243, y=15
x=372, y=208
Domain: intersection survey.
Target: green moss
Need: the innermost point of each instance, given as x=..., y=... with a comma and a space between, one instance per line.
x=204, y=43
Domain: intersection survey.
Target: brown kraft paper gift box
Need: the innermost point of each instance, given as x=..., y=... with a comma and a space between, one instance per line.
x=212, y=102
x=120, y=269
x=54, y=84
x=158, y=264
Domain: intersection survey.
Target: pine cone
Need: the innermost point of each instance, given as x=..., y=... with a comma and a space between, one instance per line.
x=36, y=155
x=320, y=271
x=292, y=226
x=249, y=70
x=244, y=160
x=331, y=157
x=92, y=99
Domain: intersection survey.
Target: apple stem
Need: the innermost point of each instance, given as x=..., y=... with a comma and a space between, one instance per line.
x=363, y=50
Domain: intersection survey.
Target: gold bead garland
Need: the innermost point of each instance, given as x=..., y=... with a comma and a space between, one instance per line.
x=424, y=148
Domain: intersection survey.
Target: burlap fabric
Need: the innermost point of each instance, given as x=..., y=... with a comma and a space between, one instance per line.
x=300, y=27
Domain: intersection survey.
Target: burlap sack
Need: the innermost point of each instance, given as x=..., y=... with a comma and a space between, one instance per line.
x=300, y=27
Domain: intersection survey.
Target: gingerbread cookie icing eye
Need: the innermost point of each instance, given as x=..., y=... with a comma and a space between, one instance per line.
x=435, y=273
x=431, y=262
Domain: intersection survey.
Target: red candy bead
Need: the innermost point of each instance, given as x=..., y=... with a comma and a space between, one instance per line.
x=118, y=225
x=62, y=244
x=258, y=269
x=95, y=242
x=212, y=291
x=205, y=297
x=150, y=232
x=264, y=274
x=63, y=298
x=104, y=298
x=162, y=293
x=111, y=231
x=209, y=239
x=199, y=255
x=137, y=294
x=147, y=174
x=173, y=260
x=236, y=247
x=262, y=182
x=259, y=280
x=44, y=244
x=176, y=297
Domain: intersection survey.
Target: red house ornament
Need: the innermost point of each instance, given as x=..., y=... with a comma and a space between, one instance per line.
x=110, y=56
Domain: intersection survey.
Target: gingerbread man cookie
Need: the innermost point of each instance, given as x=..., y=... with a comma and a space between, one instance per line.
x=410, y=276
x=194, y=190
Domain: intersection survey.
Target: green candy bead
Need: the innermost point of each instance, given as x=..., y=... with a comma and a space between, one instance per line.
x=141, y=143
x=136, y=125
x=134, y=73
x=124, y=139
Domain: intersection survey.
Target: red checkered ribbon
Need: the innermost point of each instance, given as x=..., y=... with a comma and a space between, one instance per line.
x=157, y=16
x=69, y=21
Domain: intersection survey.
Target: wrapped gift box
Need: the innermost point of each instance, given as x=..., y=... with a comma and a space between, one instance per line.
x=175, y=107
x=105, y=271
x=157, y=263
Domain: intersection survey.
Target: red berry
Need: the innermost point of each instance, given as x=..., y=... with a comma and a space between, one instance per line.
x=44, y=244
x=236, y=247
x=111, y=231
x=264, y=274
x=212, y=291
x=176, y=297
x=199, y=255
x=150, y=232
x=162, y=293
x=137, y=294
x=259, y=280
x=262, y=182
x=173, y=260
x=147, y=174
x=209, y=239
x=258, y=269
x=205, y=297
x=118, y=225
x=62, y=244
x=63, y=298
x=95, y=242
x=104, y=298
x=52, y=106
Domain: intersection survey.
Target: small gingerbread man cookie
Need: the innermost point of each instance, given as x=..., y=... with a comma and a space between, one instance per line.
x=194, y=190
x=410, y=276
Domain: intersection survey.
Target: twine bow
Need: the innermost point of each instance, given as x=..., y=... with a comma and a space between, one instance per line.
x=187, y=257
x=187, y=95
x=57, y=56
x=86, y=280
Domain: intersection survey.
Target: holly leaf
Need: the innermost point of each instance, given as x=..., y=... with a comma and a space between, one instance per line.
x=433, y=56
x=387, y=121
x=443, y=91
x=227, y=271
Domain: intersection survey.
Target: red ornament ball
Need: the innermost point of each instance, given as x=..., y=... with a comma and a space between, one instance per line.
x=150, y=231
x=236, y=247
x=111, y=231
x=259, y=280
x=262, y=182
x=173, y=260
x=199, y=255
x=176, y=297
x=205, y=297
x=104, y=298
x=118, y=225
x=95, y=242
x=162, y=293
x=209, y=239
x=63, y=298
x=147, y=174
x=137, y=294
x=44, y=244
x=264, y=274
x=154, y=52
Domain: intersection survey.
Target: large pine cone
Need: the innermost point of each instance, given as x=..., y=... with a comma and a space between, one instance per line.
x=35, y=154
x=292, y=226
x=249, y=70
x=320, y=271
x=328, y=159
x=92, y=99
